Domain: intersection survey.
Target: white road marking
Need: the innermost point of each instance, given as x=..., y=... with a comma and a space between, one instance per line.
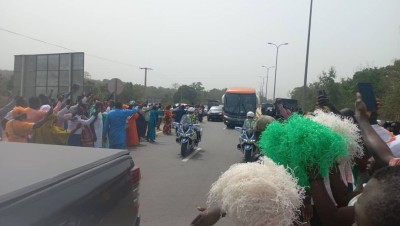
x=191, y=155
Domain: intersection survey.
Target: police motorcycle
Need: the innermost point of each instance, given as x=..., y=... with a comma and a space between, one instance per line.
x=247, y=139
x=188, y=135
x=247, y=144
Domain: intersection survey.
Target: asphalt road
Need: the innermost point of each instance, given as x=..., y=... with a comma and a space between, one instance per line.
x=172, y=187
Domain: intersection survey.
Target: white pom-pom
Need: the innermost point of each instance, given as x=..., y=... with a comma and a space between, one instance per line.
x=347, y=129
x=254, y=194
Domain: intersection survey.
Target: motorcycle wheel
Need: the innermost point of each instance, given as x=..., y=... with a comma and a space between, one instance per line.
x=184, y=149
x=247, y=155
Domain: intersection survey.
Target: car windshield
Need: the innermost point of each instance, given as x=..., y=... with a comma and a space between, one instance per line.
x=186, y=119
x=216, y=109
x=240, y=103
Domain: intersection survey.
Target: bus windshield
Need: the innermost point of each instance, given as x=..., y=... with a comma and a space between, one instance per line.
x=239, y=104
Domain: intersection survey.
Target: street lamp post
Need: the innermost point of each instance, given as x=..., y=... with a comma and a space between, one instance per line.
x=262, y=86
x=266, y=85
x=276, y=62
x=306, y=67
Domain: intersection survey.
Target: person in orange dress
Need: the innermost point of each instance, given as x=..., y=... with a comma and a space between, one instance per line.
x=18, y=129
x=132, y=136
x=167, y=120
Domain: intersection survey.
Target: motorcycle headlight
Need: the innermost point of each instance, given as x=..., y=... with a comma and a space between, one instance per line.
x=249, y=141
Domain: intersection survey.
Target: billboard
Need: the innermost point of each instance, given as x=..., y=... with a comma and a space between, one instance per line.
x=38, y=74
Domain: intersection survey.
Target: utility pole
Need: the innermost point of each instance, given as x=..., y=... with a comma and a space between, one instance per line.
x=145, y=80
x=306, y=67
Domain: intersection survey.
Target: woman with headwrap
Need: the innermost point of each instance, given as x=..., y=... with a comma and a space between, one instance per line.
x=132, y=137
x=152, y=124
x=18, y=129
x=167, y=120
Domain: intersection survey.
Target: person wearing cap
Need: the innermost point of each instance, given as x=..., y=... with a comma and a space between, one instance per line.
x=192, y=114
x=248, y=124
x=249, y=121
x=18, y=129
x=190, y=117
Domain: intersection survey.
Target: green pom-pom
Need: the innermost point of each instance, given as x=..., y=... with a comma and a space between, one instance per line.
x=301, y=144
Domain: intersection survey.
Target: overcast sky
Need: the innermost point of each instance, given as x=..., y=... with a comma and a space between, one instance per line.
x=219, y=43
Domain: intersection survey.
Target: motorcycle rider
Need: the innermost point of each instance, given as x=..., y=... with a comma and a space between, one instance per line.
x=248, y=124
x=191, y=117
x=179, y=113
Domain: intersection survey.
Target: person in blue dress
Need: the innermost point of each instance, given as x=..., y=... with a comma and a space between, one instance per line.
x=152, y=124
x=115, y=126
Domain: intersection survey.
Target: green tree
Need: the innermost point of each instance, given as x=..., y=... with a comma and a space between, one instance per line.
x=215, y=94
x=186, y=94
x=175, y=86
x=385, y=81
x=198, y=87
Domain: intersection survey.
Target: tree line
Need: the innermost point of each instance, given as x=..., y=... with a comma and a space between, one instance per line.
x=178, y=93
x=385, y=81
x=194, y=93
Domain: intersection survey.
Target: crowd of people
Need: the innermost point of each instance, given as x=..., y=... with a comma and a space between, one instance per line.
x=85, y=122
x=341, y=164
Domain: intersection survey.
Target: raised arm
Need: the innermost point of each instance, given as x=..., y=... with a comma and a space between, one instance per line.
x=58, y=105
x=329, y=214
x=375, y=145
x=340, y=191
x=207, y=217
x=87, y=121
x=132, y=111
x=4, y=110
x=44, y=120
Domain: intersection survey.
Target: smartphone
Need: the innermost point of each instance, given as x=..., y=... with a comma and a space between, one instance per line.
x=368, y=96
